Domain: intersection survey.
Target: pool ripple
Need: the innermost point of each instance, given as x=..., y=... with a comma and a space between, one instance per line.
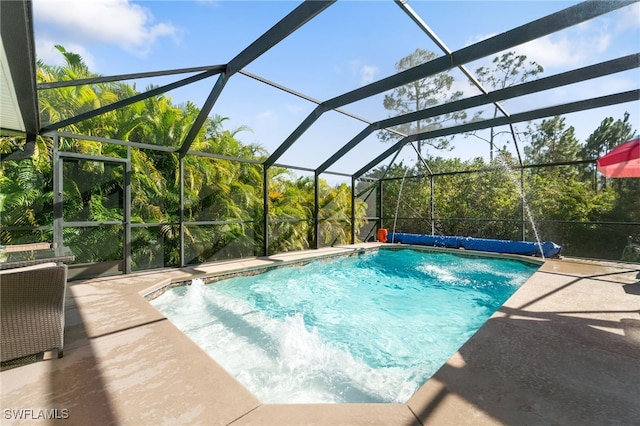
x=371, y=328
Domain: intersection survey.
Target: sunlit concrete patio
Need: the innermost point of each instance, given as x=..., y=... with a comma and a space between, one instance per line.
x=564, y=349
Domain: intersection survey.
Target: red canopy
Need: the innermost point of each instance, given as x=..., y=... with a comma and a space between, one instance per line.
x=622, y=161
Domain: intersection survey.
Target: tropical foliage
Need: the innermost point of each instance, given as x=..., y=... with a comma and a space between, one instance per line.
x=588, y=215
x=570, y=204
x=421, y=94
x=223, y=200
x=222, y=207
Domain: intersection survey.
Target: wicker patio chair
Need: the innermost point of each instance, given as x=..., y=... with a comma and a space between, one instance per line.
x=32, y=310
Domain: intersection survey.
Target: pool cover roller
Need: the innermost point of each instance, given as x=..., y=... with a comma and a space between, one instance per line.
x=549, y=249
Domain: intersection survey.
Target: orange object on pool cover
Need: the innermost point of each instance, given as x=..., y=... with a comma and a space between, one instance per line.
x=622, y=161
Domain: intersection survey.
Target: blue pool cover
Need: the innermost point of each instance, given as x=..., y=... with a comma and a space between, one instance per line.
x=549, y=249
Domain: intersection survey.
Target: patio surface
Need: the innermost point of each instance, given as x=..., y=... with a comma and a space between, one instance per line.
x=564, y=349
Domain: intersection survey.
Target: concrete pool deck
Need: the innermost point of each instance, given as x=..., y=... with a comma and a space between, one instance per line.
x=564, y=349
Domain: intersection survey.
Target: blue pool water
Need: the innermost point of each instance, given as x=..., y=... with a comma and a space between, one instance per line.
x=367, y=328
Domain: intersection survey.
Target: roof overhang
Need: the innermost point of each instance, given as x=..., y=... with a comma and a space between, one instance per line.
x=18, y=95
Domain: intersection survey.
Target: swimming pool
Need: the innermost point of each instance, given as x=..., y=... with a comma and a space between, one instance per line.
x=366, y=328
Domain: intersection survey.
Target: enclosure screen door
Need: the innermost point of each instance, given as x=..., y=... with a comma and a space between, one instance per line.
x=93, y=210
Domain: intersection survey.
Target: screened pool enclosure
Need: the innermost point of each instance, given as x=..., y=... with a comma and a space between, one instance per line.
x=451, y=142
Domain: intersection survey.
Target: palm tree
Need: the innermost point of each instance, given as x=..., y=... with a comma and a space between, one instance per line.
x=65, y=102
x=26, y=193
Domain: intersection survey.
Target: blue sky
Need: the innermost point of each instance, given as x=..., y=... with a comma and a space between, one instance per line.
x=350, y=44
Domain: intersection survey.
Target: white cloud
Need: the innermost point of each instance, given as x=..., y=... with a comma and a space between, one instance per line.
x=566, y=51
x=478, y=38
x=46, y=51
x=120, y=22
x=551, y=54
x=368, y=73
x=573, y=47
x=616, y=84
x=365, y=73
x=267, y=115
x=628, y=17
x=586, y=43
